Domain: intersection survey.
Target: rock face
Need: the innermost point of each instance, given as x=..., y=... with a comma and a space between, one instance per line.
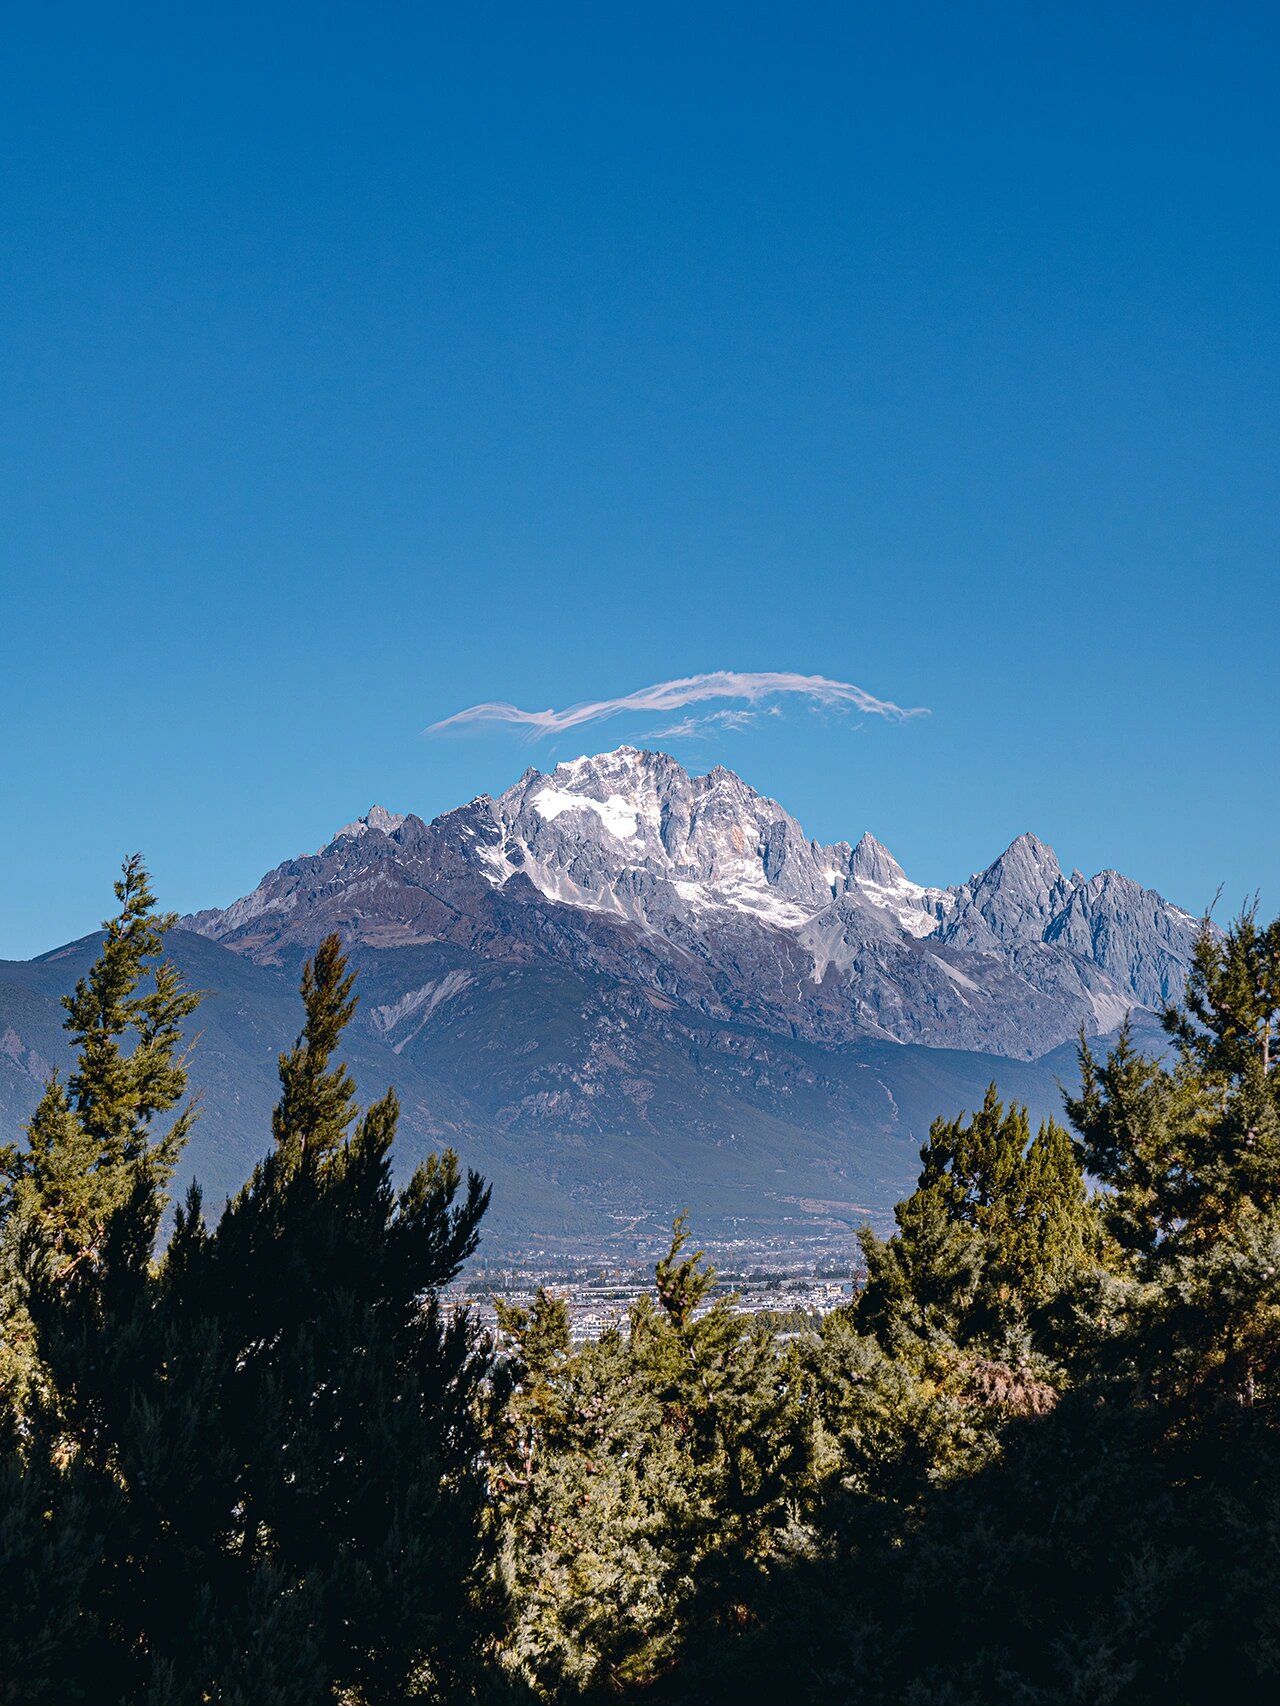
x=701, y=890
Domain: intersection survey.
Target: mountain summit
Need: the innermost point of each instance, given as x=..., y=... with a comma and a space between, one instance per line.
x=623, y=865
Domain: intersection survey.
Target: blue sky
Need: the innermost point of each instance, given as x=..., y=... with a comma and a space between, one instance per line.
x=365, y=363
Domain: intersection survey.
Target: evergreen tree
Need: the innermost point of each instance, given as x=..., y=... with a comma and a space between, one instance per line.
x=317, y=1101
x=1229, y=1020
x=261, y=1454
x=723, y=1382
x=1188, y=1154
x=996, y=1228
x=655, y=1474
x=587, y=1486
x=529, y=1412
x=94, y=1137
x=350, y=1396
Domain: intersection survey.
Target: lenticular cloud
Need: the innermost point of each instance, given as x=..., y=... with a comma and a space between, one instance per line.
x=751, y=686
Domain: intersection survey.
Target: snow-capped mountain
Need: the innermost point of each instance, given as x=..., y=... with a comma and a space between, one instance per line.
x=634, y=834
x=702, y=889
x=620, y=990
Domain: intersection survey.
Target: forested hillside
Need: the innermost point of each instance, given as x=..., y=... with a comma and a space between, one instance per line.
x=1034, y=1460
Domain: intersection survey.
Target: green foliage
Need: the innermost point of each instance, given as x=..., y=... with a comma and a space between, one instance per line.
x=539, y=1337
x=682, y=1283
x=890, y=1428
x=317, y=1102
x=1189, y=1158
x=1037, y=1460
x=255, y=1465
x=1229, y=1023
x=996, y=1228
x=93, y=1139
x=654, y=1474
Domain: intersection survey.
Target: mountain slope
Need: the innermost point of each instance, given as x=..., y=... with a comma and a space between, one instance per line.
x=595, y=1109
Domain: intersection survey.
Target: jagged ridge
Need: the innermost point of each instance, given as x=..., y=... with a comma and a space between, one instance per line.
x=624, y=865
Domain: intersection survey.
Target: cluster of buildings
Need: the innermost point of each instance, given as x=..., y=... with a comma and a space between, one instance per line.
x=600, y=1297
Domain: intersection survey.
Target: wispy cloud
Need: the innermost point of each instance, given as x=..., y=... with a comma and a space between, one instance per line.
x=751, y=686
x=712, y=722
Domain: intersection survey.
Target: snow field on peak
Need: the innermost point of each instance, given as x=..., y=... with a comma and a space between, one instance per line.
x=617, y=815
x=910, y=903
x=730, y=849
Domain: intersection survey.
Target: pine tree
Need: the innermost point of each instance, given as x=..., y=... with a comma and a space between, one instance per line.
x=271, y=1433
x=729, y=1384
x=317, y=1102
x=1188, y=1154
x=527, y=1392
x=997, y=1226
x=349, y=1397
x=655, y=1477
x=92, y=1138
x=1229, y=1020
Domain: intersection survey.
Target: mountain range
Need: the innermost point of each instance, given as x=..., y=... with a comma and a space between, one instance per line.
x=619, y=988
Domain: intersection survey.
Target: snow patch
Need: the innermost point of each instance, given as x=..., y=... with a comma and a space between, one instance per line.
x=754, y=900
x=760, y=901
x=499, y=866
x=425, y=1001
x=914, y=907
x=616, y=814
x=825, y=940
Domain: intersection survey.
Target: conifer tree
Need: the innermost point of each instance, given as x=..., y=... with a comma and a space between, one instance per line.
x=95, y=1136
x=90, y=1138
x=353, y=1399
x=317, y=1102
x=1229, y=1021
x=734, y=1396
x=997, y=1226
x=264, y=1448
x=654, y=1474
x=1188, y=1153
x=349, y=1398
x=530, y=1414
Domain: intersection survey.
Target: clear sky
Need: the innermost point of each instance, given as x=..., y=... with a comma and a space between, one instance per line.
x=363, y=363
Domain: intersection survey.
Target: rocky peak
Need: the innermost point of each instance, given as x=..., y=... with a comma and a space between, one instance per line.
x=1130, y=931
x=377, y=819
x=877, y=879
x=1028, y=864
x=610, y=831
x=872, y=862
x=1013, y=901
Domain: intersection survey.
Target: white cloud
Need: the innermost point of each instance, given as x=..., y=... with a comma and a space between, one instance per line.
x=685, y=728
x=752, y=686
